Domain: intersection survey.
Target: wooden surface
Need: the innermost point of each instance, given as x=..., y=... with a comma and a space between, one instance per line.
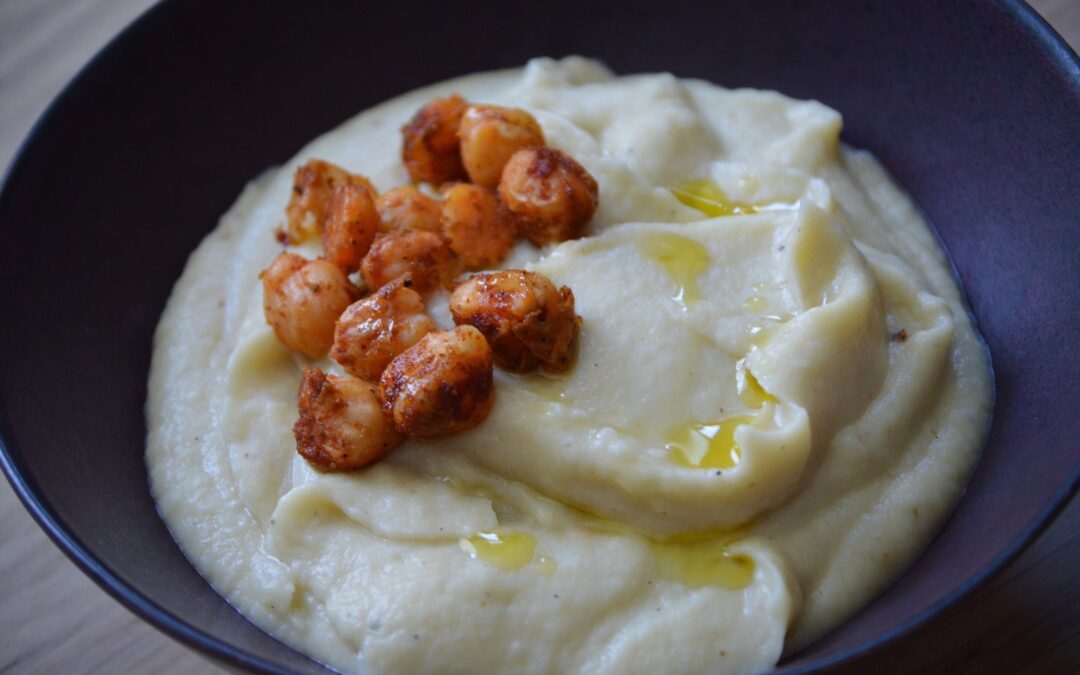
x=55, y=620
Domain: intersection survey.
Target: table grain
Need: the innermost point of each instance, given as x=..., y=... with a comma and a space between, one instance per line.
x=53, y=619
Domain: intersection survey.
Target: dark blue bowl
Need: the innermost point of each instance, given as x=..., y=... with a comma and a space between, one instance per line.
x=974, y=106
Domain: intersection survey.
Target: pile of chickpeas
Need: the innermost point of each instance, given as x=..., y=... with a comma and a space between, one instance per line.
x=497, y=181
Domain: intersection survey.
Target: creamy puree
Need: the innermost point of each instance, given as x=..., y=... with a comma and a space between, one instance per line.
x=591, y=524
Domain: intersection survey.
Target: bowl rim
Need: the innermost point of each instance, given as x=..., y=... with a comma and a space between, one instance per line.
x=220, y=650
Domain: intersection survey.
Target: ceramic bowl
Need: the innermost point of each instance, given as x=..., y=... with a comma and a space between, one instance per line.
x=974, y=107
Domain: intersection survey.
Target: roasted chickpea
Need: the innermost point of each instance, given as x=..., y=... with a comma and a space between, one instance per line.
x=351, y=225
x=302, y=300
x=342, y=425
x=476, y=225
x=430, y=148
x=551, y=196
x=490, y=135
x=424, y=257
x=441, y=385
x=313, y=185
x=527, y=320
x=406, y=208
x=372, y=331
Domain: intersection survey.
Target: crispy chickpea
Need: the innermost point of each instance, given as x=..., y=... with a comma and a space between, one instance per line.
x=342, y=425
x=374, y=330
x=551, y=196
x=351, y=225
x=490, y=135
x=478, y=229
x=424, y=257
x=442, y=385
x=313, y=185
x=302, y=300
x=406, y=208
x=527, y=320
x=430, y=148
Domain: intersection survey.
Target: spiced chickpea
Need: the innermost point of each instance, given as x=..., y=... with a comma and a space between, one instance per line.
x=302, y=300
x=406, y=208
x=424, y=257
x=527, y=320
x=351, y=225
x=551, y=196
x=490, y=135
x=441, y=385
x=430, y=148
x=474, y=222
x=372, y=331
x=342, y=425
x=313, y=186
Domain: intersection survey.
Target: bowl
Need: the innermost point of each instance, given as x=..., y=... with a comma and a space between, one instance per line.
x=974, y=107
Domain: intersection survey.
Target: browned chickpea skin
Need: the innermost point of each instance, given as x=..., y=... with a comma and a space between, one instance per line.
x=551, y=196
x=313, y=186
x=442, y=385
x=490, y=135
x=424, y=257
x=351, y=225
x=342, y=425
x=406, y=208
x=430, y=148
x=527, y=320
x=476, y=225
x=372, y=331
x=302, y=300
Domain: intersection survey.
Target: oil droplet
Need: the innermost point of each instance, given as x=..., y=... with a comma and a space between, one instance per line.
x=708, y=446
x=692, y=558
x=703, y=563
x=750, y=390
x=505, y=550
x=707, y=197
x=546, y=565
x=683, y=259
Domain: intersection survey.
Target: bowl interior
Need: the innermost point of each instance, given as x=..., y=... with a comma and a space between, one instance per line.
x=973, y=106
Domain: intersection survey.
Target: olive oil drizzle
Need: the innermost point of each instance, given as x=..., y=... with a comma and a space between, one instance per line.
x=707, y=197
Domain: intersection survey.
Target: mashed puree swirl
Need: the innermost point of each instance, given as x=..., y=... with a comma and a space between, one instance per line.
x=777, y=399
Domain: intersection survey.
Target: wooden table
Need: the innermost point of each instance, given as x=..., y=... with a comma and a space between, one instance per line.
x=53, y=619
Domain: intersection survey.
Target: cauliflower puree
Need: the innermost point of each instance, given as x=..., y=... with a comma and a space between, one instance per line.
x=778, y=397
